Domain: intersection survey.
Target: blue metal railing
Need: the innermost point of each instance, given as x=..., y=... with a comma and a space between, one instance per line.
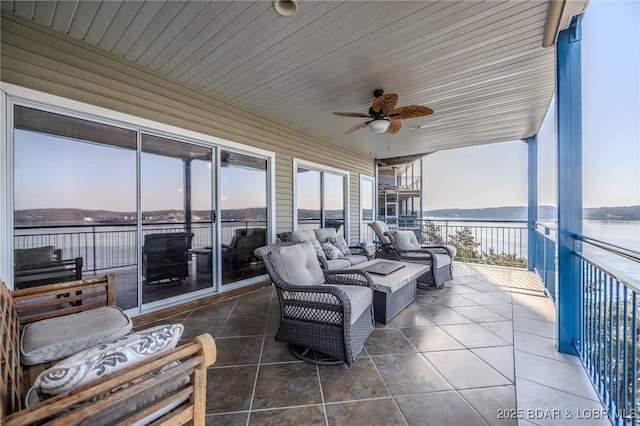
x=545, y=262
x=609, y=342
x=608, y=345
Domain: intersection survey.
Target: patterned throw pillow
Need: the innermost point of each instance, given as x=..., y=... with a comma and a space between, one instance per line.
x=331, y=251
x=342, y=245
x=106, y=358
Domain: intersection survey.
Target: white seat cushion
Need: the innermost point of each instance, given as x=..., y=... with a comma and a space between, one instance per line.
x=335, y=264
x=57, y=338
x=356, y=259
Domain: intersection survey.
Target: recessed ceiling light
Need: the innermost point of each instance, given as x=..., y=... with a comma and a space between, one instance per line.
x=415, y=127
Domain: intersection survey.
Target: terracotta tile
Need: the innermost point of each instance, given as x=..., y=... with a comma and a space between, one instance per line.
x=438, y=409
x=382, y=412
x=285, y=385
x=238, y=350
x=409, y=373
x=361, y=381
x=229, y=389
x=309, y=415
x=387, y=341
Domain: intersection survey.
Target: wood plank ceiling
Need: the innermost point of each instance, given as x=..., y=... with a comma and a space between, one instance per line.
x=478, y=64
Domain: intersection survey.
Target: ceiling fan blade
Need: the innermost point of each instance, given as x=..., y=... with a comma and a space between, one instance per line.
x=394, y=126
x=351, y=114
x=358, y=127
x=410, y=111
x=384, y=103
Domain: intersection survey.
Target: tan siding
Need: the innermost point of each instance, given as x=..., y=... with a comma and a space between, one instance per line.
x=40, y=59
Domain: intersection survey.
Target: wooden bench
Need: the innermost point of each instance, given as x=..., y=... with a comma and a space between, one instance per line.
x=98, y=398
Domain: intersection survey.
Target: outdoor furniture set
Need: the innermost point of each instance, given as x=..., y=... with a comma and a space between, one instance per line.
x=327, y=310
x=72, y=348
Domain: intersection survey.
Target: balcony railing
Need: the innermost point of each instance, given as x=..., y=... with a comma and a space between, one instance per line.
x=499, y=242
x=109, y=246
x=609, y=341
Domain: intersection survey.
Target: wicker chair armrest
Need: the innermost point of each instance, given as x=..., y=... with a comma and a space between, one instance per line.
x=424, y=256
x=315, y=301
x=436, y=249
x=348, y=277
x=358, y=250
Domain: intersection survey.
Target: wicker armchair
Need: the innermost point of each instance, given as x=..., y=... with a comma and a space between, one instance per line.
x=386, y=250
x=325, y=316
x=407, y=249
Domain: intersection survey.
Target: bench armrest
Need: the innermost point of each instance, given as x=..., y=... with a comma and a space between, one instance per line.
x=42, y=302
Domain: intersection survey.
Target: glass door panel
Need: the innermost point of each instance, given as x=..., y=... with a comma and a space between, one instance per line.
x=74, y=202
x=244, y=214
x=366, y=208
x=308, y=198
x=176, y=188
x=334, y=215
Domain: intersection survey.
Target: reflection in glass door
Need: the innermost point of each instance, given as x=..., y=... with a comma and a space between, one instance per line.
x=74, y=201
x=244, y=215
x=177, y=218
x=334, y=202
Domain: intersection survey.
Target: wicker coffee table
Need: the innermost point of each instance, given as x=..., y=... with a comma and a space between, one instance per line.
x=395, y=291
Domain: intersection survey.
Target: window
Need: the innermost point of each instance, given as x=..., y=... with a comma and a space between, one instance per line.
x=320, y=197
x=366, y=207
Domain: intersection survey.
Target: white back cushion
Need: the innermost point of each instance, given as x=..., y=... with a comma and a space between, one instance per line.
x=297, y=264
x=302, y=235
x=380, y=228
x=405, y=240
x=325, y=234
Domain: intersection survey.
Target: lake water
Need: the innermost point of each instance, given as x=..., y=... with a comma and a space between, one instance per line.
x=115, y=246
x=622, y=234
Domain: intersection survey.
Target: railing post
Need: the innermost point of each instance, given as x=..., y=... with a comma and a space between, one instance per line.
x=532, y=206
x=93, y=234
x=569, y=158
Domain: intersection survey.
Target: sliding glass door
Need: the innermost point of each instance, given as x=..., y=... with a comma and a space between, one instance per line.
x=94, y=197
x=74, y=201
x=176, y=186
x=244, y=214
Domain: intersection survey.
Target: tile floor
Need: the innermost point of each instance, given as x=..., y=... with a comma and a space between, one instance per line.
x=480, y=351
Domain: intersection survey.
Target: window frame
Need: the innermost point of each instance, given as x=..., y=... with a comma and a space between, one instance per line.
x=12, y=95
x=321, y=168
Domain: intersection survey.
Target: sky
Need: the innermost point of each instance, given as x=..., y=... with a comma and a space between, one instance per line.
x=481, y=176
x=610, y=135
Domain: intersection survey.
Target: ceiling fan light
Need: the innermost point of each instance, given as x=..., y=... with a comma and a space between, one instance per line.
x=379, y=126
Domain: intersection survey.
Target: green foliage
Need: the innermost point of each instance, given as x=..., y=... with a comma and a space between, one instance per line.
x=463, y=241
x=431, y=233
x=493, y=258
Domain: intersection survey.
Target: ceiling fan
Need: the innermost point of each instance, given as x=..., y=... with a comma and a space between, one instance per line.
x=385, y=117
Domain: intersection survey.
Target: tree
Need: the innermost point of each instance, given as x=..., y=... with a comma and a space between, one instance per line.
x=431, y=233
x=463, y=241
